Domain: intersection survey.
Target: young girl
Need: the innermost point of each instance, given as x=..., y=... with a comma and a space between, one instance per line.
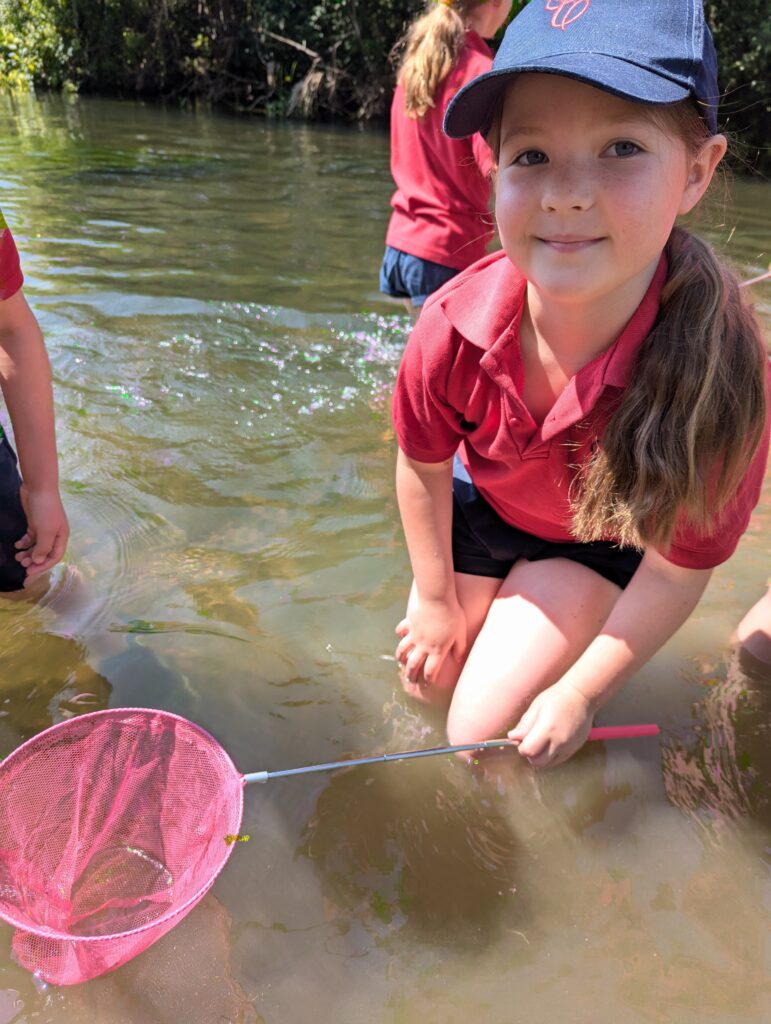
x=440, y=222
x=600, y=380
x=33, y=525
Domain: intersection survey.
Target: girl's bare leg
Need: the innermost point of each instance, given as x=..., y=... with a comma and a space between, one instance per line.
x=754, y=631
x=542, y=618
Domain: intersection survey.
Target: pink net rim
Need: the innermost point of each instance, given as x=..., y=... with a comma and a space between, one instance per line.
x=169, y=915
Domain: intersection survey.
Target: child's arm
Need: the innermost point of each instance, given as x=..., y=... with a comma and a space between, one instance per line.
x=658, y=600
x=25, y=380
x=435, y=623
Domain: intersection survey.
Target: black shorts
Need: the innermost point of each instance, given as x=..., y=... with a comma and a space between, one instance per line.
x=13, y=522
x=483, y=544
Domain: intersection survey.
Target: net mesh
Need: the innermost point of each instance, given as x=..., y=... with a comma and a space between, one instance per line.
x=112, y=826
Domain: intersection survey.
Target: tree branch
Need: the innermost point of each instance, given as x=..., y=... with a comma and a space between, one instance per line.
x=290, y=42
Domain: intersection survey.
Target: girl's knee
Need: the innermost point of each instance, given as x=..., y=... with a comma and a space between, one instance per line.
x=431, y=695
x=464, y=729
x=459, y=730
x=463, y=734
x=438, y=693
x=754, y=631
x=488, y=717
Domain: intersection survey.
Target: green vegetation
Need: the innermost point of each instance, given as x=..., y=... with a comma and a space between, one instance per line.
x=328, y=58
x=742, y=33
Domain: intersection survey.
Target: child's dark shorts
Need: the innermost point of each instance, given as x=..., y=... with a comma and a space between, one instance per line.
x=13, y=522
x=409, y=277
x=483, y=544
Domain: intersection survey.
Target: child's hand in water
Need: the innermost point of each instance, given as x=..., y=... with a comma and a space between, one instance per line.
x=555, y=725
x=429, y=632
x=43, y=544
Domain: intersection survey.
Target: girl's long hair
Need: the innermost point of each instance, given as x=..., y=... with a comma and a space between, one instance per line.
x=690, y=422
x=431, y=47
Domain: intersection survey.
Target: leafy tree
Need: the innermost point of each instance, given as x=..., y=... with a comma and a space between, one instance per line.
x=309, y=58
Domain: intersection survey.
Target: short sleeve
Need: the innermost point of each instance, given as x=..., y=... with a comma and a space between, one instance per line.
x=11, y=278
x=693, y=550
x=426, y=424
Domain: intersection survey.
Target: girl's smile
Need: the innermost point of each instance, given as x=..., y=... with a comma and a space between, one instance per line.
x=569, y=243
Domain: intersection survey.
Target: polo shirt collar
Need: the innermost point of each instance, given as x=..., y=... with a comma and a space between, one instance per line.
x=484, y=305
x=486, y=308
x=612, y=368
x=488, y=303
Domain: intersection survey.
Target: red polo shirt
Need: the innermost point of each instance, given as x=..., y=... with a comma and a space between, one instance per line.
x=440, y=207
x=459, y=387
x=11, y=278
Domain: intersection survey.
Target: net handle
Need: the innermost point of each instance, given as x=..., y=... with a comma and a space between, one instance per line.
x=606, y=732
x=758, y=279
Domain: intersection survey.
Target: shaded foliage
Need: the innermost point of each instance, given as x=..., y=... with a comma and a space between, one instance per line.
x=324, y=58
x=742, y=33
x=311, y=58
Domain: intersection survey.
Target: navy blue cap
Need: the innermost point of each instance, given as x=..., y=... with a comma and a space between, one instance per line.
x=647, y=51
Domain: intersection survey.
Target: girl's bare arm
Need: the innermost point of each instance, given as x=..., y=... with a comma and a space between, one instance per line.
x=424, y=493
x=25, y=380
x=437, y=624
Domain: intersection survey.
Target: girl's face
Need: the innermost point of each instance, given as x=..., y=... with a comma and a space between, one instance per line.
x=589, y=187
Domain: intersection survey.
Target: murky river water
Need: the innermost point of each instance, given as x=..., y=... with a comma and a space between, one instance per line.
x=222, y=360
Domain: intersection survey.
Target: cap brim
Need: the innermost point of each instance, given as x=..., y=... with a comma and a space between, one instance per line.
x=471, y=110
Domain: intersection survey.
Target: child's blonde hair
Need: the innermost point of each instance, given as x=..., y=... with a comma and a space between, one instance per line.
x=687, y=427
x=432, y=45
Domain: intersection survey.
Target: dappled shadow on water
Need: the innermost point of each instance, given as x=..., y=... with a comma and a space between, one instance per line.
x=428, y=859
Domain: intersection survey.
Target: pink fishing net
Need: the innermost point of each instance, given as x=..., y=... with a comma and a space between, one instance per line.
x=113, y=825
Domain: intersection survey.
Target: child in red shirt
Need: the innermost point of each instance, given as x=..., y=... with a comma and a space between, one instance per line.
x=582, y=418
x=440, y=222
x=33, y=524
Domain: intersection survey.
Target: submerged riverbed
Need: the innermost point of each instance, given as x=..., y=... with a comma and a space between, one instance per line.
x=207, y=286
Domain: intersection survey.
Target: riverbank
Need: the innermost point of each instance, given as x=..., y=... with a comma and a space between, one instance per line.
x=332, y=60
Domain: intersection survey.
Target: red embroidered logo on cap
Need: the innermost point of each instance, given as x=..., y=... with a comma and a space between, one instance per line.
x=566, y=11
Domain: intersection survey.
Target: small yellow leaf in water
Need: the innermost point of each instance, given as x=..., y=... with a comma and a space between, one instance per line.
x=237, y=839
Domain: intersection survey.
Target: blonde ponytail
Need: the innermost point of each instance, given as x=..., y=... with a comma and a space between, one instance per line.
x=432, y=45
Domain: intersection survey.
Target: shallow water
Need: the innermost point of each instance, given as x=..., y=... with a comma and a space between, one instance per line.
x=208, y=290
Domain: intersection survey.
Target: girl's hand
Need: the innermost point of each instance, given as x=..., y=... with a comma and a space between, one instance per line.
x=44, y=543
x=555, y=725
x=429, y=632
